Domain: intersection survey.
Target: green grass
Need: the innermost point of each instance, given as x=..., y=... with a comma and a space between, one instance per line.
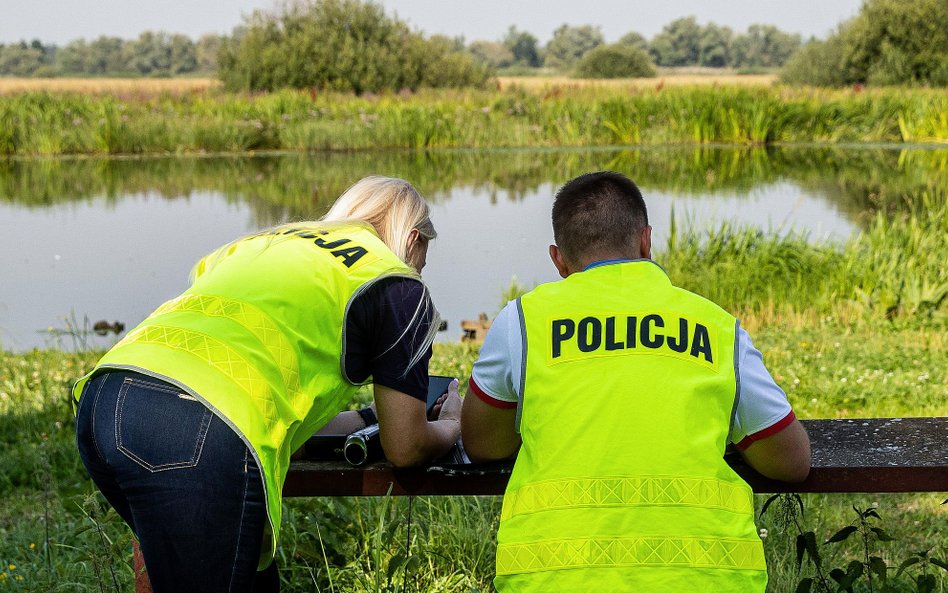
x=44, y=123
x=849, y=331
x=829, y=370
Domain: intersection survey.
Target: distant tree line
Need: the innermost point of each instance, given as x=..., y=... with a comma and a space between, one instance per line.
x=682, y=42
x=153, y=53
x=354, y=46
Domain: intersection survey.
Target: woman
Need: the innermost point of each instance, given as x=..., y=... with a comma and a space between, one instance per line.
x=187, y=424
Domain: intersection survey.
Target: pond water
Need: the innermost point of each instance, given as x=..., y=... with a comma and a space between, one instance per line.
x=87, y=239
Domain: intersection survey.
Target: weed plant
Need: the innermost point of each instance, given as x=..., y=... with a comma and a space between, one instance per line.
x=44, y=123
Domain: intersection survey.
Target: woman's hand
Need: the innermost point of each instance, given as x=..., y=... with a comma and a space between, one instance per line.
x=439, y=405
x=450, y=404
x=408, y=438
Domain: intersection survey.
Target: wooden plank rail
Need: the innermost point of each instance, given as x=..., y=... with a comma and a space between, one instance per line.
x=855, y=455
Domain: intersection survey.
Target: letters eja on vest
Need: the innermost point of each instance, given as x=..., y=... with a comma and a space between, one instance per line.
x=341, y=248
x=648, y=333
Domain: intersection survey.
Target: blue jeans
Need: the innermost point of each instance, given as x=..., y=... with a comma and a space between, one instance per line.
x=181, y=478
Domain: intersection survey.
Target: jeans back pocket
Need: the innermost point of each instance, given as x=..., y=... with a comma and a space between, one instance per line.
x=158, y=426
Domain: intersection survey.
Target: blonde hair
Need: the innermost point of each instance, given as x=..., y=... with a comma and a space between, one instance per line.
x=392, y=206
x=394, y=209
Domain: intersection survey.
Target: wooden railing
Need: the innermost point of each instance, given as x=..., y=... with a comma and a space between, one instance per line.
x=857, y=455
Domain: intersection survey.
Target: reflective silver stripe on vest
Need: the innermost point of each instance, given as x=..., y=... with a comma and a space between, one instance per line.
x=628, y=491
x=716, y=553
x=253, y=320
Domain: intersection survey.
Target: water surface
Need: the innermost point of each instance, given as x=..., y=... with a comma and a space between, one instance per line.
x=112, y=239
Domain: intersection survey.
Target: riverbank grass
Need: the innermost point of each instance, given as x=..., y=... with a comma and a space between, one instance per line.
x=211, y=121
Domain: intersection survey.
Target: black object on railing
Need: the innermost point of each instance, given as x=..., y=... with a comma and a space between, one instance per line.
x=363, y=446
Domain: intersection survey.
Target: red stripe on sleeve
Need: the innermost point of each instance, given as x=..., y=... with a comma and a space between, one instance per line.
x=488, y=399
x=767, y=432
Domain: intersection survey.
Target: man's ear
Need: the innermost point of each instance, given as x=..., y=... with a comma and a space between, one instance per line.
x=559, y=261
x=645, y=244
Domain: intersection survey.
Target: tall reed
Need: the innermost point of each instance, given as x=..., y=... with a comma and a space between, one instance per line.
x=44, y=123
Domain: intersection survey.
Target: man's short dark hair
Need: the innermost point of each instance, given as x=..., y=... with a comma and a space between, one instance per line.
x=598, y=212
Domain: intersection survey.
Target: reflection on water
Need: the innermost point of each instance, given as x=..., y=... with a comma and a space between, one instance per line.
x=112, y=239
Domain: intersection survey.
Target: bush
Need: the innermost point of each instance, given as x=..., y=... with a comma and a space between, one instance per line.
x=818, y=63
x=340, y=45
x=615, y=61
x=888, y=42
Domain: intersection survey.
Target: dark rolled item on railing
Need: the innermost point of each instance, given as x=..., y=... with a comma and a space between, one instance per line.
x=363, y=445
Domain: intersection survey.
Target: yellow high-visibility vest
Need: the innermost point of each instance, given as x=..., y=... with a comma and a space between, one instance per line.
x=259, y=338
x=629, y=389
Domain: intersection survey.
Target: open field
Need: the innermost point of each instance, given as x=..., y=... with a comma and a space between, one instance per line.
x=119, y=87
x=149, y=87
x=533, y=83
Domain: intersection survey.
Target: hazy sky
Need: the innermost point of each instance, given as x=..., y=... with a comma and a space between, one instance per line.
x=60, y=21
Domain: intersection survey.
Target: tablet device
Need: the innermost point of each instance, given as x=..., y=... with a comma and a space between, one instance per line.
x=437, y=386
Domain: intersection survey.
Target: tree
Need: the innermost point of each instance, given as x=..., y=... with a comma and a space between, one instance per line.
x=764, y=46
x=615, y=61
x=20, y=59
x=714, y=46
x=183, y=56
x=104, y=55
x=678, y=44
x=888, y=42
x=205, y=52
x=491, y=53
x=344, y=45
x=635, y=40
x=893, y=42
x=569, y=44
x=74, y=57
x=523, y=46
x=150, y=54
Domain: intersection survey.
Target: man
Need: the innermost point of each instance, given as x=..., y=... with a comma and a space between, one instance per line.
x=621, y=392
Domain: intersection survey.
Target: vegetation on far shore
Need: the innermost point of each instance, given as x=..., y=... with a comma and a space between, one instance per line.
x=64, y=123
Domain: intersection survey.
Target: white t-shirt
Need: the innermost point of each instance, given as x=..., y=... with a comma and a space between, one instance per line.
x=762, y=408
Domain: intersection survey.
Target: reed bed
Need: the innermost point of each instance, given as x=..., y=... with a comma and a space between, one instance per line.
x=895, y=268
x=44, y=123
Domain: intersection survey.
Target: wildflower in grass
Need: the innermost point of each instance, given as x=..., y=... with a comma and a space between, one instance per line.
x=19, y=578
x=3, y=576
x=12, y=567
x=763, y=533
x=32, y=546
